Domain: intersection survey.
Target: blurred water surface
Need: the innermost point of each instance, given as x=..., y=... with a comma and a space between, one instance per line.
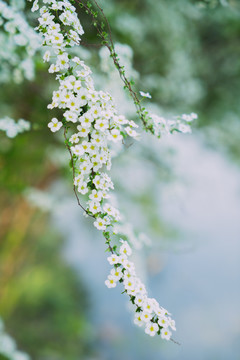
x=199, y=277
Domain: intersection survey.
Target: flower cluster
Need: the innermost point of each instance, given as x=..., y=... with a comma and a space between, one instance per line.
x=149, y=313
x=157, y=125
x=18, y=44
x=92, y=128
x=162, y=126
x=13, y=128
x=92, y=113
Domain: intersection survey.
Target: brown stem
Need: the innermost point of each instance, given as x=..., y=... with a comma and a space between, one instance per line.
x=73, y=172
x=110, y=45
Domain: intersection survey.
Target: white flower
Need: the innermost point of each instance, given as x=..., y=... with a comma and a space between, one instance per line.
x=53, y=68
x=117, y=273
x=138, y=320
x=139, y=300
x=82, y=96
x=147, y=306
x=172, y=324
x=77, y=150
x=86, y=120
x=110, y=210
x=129, y=283
x=83, y=188
x=163, y=322
x=146, y=95
x=77, y=86
x=86, y=167
x=101, y=124
x=190, y=117
x=122, y=259
x=98, y=182
x=110, y=282
x=125, y=249
x=46, y=18
x=120, y=119
x=56, y=38
x=141, y=288
x=70, y=116
x=92, y=149
x=166, y=334
x=94, y=207
x=100, y=224
x=113, y=259
x=63, y=61
x=77, y=60
x=151, y=329
x=55, y=125
x=83, y=131
x=96, y=166
x=78, y=180
x=46, y=56
x=131, y=132
x=161, y=312
x=74, y=139
x=184, y=128
x=85, y=145
x=129, y=265
x=96, y=195
x=73, y=103
x=145, y=316
x=35, y=6
x=96, y=111
x=133, y=124
x=114, y=135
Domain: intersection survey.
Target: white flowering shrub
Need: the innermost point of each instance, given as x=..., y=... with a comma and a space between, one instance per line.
x=18, y=43
x=12, y=128
x=93, y=130
x=92, y=127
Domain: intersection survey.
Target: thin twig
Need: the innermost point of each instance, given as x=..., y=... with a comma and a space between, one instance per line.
x=73, y=172
x=175, y=342
x=110, y=45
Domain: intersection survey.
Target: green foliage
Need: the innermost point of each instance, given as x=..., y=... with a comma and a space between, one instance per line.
x=43, y=302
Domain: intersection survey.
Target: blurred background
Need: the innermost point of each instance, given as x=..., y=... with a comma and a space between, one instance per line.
x=181, y=194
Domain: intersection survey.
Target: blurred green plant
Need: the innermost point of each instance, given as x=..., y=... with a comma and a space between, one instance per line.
x=43, y=303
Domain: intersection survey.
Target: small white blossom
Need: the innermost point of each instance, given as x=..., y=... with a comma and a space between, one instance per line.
x=55, y=125
x=46, y=56
x=131, y=132
x=138, y=320
x=125, y=248
x=145, y=316
x=115, y=135
x=83, y=188
x=166, y=334
x=116, y=273
x=113, y=259
x=100, y=224
x=163, y=322
x=74, y=139
x=110, y=282
x=151, y=329
x=146, y=95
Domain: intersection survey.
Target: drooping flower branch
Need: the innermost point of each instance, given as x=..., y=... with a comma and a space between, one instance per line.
x=152, y=123
x=92, y=129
